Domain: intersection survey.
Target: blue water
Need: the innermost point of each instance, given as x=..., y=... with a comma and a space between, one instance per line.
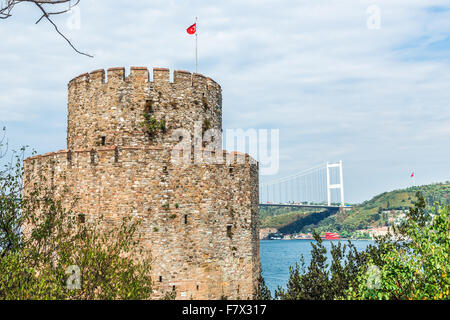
x=278, y=255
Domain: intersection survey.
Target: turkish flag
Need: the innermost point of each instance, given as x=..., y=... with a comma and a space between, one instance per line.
x=192, y=29
x=412, y=175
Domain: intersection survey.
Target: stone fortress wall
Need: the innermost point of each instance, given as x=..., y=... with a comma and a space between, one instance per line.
x=200, y=219
x=113, y=109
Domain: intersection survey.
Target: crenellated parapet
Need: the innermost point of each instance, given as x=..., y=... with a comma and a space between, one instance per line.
x=111, y=108
x=116, y=154
x=161, y=76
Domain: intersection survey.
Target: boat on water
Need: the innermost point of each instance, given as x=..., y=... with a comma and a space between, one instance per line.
x=331, y=236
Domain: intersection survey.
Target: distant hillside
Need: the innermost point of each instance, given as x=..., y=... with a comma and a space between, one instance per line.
x=289, y=220
x=382, y=210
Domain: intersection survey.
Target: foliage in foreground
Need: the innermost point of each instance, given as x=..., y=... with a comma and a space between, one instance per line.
x=418, y=268
x=413, y=264
x=62, y=256
x=319, y=280
x=263, y=292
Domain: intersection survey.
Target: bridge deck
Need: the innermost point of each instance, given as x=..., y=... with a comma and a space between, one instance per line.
x=302, y=205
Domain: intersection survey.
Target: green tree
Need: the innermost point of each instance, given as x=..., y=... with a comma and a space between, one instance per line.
x=320, y=281
x=263, y=292
x=42, y=243
x=415, y=264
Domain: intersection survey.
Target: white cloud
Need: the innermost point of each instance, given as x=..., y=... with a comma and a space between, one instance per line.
x=377, y=99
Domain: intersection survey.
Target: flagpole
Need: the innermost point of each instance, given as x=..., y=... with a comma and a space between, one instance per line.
x=196, y=57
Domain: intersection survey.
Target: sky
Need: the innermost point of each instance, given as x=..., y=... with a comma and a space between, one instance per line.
x=336, y=84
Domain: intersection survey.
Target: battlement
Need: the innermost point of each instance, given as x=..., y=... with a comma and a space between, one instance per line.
x=116, y=154
x=139, y=75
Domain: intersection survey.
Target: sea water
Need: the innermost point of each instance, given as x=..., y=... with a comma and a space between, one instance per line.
x=278, y=255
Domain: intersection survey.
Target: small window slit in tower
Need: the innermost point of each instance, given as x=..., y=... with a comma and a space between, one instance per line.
x=148, y=107
x=103, y=141
x=185, y=219
x=160, y=278
x=229, y=233
x=81, y=218
x=92, y=156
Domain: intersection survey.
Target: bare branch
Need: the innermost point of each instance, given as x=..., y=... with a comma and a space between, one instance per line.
x=7, y=6
x=3, y=144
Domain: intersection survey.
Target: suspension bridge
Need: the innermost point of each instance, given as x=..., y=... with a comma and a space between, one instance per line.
x=321, y=186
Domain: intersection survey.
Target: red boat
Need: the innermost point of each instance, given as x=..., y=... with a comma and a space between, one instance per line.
x=331, y=236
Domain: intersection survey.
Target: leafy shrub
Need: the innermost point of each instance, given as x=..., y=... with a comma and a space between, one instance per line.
x=42, y=243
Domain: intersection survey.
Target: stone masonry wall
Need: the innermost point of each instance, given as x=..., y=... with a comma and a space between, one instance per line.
x=200, y=221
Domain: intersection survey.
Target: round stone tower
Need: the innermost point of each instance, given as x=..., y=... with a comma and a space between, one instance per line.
x=113, y=112
x=200, y=219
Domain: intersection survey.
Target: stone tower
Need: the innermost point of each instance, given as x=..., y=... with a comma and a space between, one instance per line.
x=200, y=218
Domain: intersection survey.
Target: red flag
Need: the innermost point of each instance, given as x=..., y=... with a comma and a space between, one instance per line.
x=412, y=175
x=192, y=29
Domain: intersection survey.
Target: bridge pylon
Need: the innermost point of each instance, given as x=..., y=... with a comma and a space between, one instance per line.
x=339, y=185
